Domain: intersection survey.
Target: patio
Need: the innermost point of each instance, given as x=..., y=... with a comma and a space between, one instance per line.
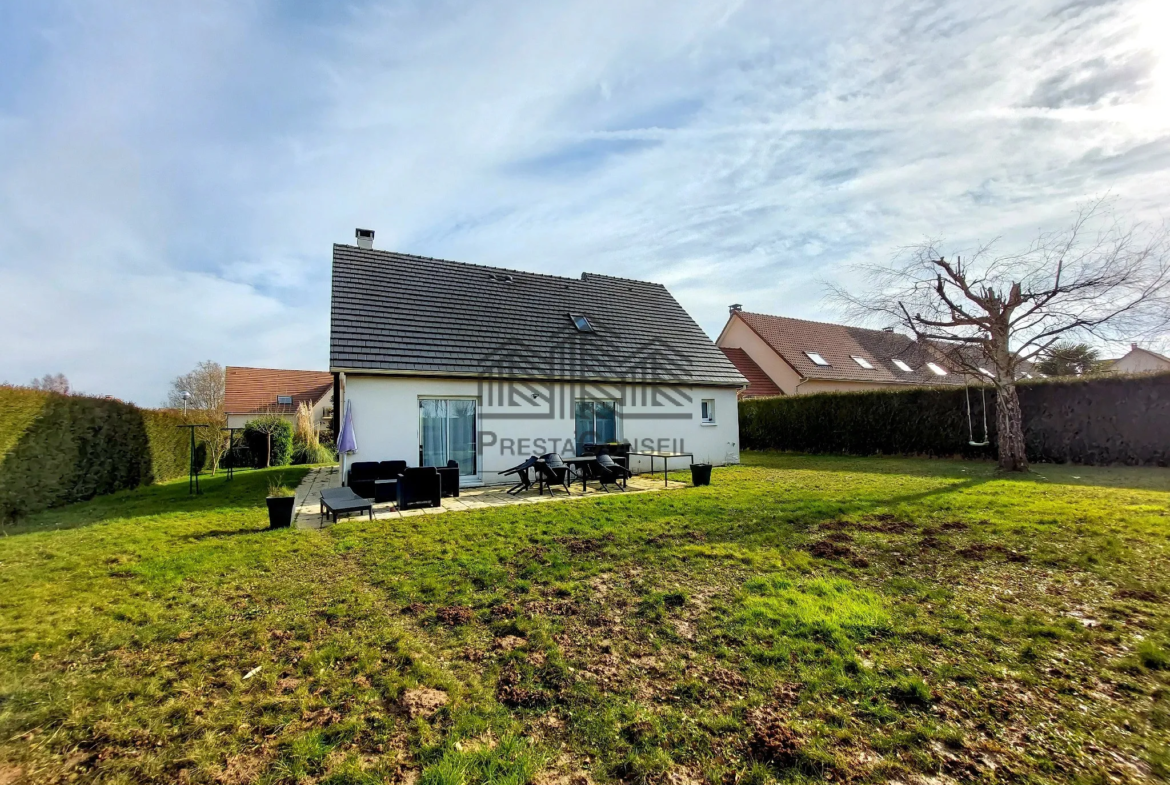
x=308, y=506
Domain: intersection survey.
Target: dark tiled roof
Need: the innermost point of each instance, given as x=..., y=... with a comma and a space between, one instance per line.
x=254, y=390
x=838, y=344
x=760, y=385
x=394, y=312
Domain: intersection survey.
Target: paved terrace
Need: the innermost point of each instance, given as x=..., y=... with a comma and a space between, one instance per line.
x=308, y=503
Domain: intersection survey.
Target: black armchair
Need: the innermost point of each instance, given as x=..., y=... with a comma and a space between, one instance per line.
x=609, y=471
x=419, y=487
x=551, y=470
x=362, y=477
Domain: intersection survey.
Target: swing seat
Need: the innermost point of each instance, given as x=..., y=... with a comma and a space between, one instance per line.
x=979, y=444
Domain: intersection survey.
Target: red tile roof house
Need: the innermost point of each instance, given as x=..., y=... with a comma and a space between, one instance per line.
x=783, y=356
x=253, y=391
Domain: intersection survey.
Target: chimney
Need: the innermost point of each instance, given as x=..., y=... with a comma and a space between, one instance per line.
x=735, y=307
x=1132, y=347
x=887, y=329
x=365, y=238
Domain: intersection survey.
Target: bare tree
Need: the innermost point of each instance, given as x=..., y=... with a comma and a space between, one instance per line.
x=51, y=382
x=206, y=384
x=997, y=313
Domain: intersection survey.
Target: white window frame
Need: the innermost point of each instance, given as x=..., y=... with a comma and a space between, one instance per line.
x=709, y=418
x=864, y=363
x=284, y=400
x=903, y=366
x=937, y=369
x=816, y=358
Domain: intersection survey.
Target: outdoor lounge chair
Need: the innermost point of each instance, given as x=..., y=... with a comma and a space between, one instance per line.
x=419, y=486
x=522, y=475
x=552, y=470
x=609, y=471
x=449, y=478
x=335, y=501
x=361, y=476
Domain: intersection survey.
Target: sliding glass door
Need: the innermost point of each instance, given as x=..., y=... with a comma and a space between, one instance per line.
x=447, y=433
x=596, y=423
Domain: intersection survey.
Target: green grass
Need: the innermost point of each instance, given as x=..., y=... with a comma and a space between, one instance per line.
x=803, y=618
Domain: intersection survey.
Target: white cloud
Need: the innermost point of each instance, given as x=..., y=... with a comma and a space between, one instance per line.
x=170, y=183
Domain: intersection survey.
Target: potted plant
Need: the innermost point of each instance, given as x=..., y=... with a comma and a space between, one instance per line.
x=281, y=499
x=700, y=474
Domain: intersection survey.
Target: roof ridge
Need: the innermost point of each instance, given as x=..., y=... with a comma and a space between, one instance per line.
x=826, y=324
x=276, y=370
x=491, y=268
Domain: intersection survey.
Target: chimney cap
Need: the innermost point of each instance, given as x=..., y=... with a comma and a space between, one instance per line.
x=365, y=238
x=735, y=307
x=1132, y=346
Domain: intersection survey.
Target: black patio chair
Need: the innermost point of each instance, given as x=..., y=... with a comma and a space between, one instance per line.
x=361, y=477
x=552, y=470
x=419, y=486
x=610, y=471
x=522, y=475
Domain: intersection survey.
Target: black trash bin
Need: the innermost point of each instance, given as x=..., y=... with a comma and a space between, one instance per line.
x=280, y=511
x=700, y=474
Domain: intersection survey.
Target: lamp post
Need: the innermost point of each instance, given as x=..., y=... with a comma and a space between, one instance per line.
x=186, y=396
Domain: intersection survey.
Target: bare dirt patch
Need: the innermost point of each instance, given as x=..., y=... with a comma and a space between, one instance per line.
x=772, y=739
x=422, y=701
x=453, y=615
x=509, y=643
x=241, y=769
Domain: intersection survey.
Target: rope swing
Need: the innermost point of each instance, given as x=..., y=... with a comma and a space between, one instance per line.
x=970, y=421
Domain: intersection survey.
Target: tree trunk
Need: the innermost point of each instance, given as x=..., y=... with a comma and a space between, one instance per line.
x=1010, y=424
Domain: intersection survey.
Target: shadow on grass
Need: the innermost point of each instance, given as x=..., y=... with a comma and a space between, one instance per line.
x=243, y=492
x=1144, y=478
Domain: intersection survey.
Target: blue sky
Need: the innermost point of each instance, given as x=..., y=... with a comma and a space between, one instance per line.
x=172, y=175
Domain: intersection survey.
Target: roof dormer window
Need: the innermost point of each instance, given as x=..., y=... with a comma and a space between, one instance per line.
x=816, y=358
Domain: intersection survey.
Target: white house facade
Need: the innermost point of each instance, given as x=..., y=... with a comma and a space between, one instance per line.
x=442, y=361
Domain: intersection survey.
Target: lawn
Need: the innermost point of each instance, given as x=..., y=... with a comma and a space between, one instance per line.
x=802, y=619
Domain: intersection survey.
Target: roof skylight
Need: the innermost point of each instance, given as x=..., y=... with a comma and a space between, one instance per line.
x=581, y=323
x=816, y=358
x=864, y=363
x=938, y=369
x=284, y=399
x=902, y=365
x=986, y=372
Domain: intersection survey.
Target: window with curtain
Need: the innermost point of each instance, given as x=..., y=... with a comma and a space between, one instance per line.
x=596, y=423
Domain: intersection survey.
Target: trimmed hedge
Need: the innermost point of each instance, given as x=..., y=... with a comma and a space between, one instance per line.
x=1106, y=420
x=256, y=440
x=57, y=449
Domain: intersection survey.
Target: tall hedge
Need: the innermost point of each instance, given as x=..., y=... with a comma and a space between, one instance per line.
x=56, y=449
x=256, y=437
x=1107, y=420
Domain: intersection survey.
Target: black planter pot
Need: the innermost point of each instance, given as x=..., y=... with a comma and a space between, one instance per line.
x=280, y=511
x=700, y=474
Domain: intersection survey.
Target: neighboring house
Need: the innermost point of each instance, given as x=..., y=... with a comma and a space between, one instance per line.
x=440, y=361
x=1138, y=360
x=250, y=392
x=783, y=356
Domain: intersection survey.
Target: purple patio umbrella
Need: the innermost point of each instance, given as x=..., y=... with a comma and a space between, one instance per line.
x=347, y=442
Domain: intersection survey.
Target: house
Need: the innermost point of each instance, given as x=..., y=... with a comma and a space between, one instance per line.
x=1138, y=360
x=249, y=392
x=783, y=356
x=439, y=360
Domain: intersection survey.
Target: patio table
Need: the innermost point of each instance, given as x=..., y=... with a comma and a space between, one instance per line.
x=583, y=462
x=665, y=456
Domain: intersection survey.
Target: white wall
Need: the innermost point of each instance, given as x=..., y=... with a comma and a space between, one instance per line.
x=519, y=419
x=1139, y=361
x=737, y=335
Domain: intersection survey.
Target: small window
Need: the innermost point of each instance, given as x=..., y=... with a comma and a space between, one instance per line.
x=816, y=358
x=986, y=373
x=938, y=369
x=581, y=323
x=707, y=410
x=864, y=363
x=284, y=399
x=902, y=365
